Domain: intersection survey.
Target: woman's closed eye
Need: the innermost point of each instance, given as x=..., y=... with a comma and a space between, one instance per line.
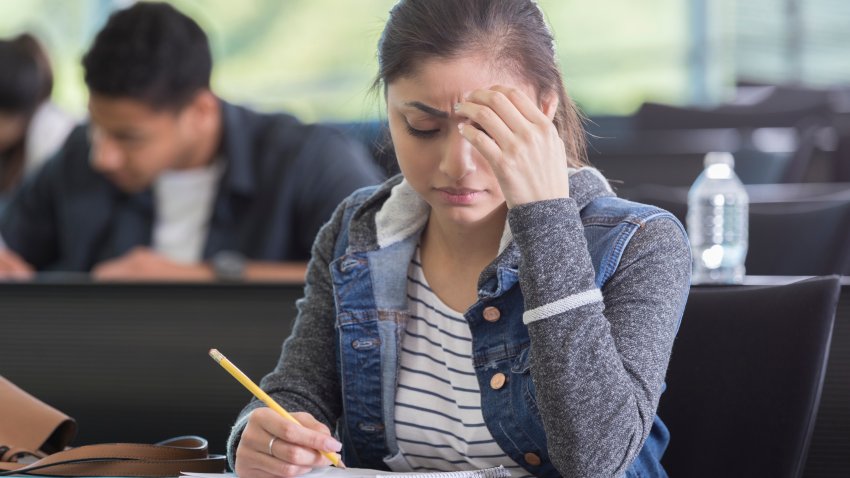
x=422, y=133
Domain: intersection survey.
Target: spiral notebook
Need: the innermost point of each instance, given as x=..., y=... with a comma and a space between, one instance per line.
x=331, y=472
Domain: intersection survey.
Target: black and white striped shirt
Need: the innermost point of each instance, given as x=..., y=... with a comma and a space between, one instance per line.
x=438, y=417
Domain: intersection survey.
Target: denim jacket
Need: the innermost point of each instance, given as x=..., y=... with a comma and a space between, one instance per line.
x=368, y=273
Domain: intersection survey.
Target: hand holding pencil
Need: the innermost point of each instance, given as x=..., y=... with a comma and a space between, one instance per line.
x=277, y=443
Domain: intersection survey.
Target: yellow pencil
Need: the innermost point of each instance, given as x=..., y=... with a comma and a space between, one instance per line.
x=265, y=398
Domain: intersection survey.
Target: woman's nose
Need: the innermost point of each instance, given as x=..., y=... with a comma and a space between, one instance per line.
x=458, y=161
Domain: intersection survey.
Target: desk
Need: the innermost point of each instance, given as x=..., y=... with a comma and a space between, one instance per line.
x=130, y=362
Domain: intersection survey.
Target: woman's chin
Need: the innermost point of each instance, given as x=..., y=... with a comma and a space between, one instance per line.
x=467, y=216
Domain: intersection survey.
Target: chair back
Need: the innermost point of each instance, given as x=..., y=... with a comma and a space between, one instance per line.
x=799, y=238
x=375, y=136
x=675, y=157
x=745, y=377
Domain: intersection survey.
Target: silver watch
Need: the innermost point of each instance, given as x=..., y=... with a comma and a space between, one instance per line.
x=229, y=266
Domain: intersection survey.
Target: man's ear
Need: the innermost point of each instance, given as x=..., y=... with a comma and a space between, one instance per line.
x=549, y=104
x=202, y=109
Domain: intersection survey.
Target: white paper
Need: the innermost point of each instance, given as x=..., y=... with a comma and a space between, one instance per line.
x=333, y=472
x=208, y=475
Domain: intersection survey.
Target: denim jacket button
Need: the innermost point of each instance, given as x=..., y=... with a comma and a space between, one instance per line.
x=491, y=314
x=532, y=459
x=498, y=381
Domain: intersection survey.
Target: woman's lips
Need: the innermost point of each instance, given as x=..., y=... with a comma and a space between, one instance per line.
x=459, y=196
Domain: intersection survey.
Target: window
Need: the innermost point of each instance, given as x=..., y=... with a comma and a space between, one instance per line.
x=316, y=58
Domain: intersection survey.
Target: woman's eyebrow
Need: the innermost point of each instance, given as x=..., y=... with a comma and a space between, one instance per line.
x=428, y=109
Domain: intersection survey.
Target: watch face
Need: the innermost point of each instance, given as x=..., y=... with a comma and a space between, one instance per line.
x=229, y=265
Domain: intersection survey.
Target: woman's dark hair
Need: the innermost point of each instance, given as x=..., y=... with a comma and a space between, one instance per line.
x=26, y=79
x=152, y=53
x=513, y=33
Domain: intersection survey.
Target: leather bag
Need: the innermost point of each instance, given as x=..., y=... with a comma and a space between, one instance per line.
x=34, y=440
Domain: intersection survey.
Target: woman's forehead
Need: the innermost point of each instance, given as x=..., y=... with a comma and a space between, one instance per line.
x=439, y=79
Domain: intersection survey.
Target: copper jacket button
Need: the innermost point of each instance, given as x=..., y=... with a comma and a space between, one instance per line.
x=498, y=381
x=491, y=314
x=532, y=459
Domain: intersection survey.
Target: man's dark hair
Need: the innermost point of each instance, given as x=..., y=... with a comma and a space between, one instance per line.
x=152, y=53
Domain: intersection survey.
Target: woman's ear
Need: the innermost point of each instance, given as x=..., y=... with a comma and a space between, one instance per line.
x=549, y=104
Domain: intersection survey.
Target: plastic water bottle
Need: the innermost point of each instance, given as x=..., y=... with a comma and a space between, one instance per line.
x=718, y=219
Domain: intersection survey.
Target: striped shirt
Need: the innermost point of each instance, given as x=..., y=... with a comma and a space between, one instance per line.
x=438, y=417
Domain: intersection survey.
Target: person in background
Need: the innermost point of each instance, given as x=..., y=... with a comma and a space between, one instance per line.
x=496, y=303
x=169, y=182
x=32, y=128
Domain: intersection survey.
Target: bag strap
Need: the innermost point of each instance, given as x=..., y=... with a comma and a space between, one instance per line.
x=165, y=459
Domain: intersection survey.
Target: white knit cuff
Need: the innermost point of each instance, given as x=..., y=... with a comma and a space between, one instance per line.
x=561, y=306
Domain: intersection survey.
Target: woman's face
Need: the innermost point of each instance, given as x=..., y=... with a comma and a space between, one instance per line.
x=443, y=167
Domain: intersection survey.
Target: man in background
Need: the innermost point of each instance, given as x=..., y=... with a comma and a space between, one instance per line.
x=169, y=182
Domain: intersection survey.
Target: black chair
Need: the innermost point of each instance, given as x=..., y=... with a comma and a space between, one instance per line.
x=745, y=378
x=375, y=135
x=674, y=157
x=782, y=107
x=799, y=238
x=807, y=114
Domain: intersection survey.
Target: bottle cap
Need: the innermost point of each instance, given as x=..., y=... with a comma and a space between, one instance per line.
x=719, y=158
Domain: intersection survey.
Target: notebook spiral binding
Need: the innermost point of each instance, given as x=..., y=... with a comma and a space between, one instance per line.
x=496, y=472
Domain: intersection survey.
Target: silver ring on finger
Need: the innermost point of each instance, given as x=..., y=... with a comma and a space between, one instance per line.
x=271, y=444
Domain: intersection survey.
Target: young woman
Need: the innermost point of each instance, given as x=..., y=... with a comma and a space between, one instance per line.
x=31, y=127
x=495, y=304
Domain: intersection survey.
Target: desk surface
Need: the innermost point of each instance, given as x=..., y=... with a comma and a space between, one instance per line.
x=779, y=280
x=129, y=361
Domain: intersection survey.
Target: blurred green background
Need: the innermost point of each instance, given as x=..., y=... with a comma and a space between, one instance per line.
x=316, y=58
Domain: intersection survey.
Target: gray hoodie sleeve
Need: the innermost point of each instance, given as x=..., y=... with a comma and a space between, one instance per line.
x=304, y=380
x=598, y=357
